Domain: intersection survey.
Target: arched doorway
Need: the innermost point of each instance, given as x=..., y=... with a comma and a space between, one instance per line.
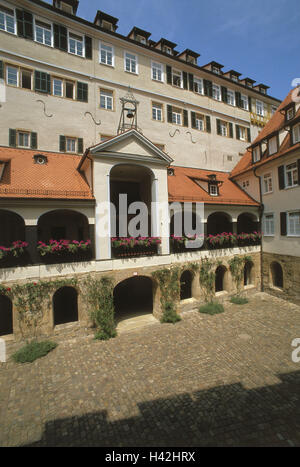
x=218, y=222
x=12, y=228
x=133, y=297
x=65, y=306
x=248, y=273
x=220, y=278
x=6, y=316
x=63, y=224
x=186, y=285
x=276, y=275
x=247, y=223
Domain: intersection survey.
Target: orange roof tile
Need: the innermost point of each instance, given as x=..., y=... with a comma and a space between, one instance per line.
x=183, y=187
x=57, y=179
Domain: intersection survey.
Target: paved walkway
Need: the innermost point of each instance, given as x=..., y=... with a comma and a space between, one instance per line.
x=223, y=380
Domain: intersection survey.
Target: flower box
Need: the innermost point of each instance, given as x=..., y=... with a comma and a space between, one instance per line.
x=65, y=250
x=126, y=247
x=15, y=255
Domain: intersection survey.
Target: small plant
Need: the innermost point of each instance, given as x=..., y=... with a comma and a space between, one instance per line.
x=16, y=249
x=170, y=315
x=33, y=350
x=239, y=300
x=211, y=308
x=207, y=279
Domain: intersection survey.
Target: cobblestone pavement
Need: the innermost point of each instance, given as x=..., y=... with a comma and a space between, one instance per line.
x=223, y=380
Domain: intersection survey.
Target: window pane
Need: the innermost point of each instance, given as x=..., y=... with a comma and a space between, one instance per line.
x=12, y=76
x=69, y=90
x=57, y=87
x=26, y=79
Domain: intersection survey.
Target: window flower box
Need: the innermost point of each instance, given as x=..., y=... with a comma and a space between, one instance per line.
x=15, y=255
x=65, y=250
x=124, y=247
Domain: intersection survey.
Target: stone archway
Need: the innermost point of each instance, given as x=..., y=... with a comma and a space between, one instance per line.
x=6, y=316
x=220, y=279
x=133, y=297
x=276, y=275
x=65, y=305
x=186, y=279
x=248, y=273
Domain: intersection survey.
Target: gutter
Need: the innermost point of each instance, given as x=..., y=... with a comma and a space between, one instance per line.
x=261, y=212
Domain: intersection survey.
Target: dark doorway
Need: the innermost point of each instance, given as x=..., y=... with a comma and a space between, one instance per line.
x=6, y=317
x=186, y=285
x=65, y=306
x=219, y=279
x=132, y=297
x=248, y=273
x=246, y=223
x=218, y=223
x=277, y=275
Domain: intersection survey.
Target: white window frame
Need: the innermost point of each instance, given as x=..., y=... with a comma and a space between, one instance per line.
x=296, y=134
x=260, y=109
x=62, y=87
x=200, y=126
x=213, y=190
x=216, y=92
x=289, y=230
x=15, y=67
x=224, y=128
x=35, y=34
x=231, y=93
x=5, y=20
x=243, y=133
x=267, y=183
x=290, y=113
x=135, y=60
x=272, y=144
x=23, y=132
x=157, y=109
x=71, y=138
x=101, y=43
x=154, y=67
x=83, y=44
x=244, y=102
x=291, y=171
x=108, y=96
x=178, y=117
x=176, y=73
x=25, y=70
x=269, y=226
x=199, y=83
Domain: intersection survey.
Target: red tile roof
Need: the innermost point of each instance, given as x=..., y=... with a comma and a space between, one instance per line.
x=276, y=123
x=57, y=179
x=183, y=187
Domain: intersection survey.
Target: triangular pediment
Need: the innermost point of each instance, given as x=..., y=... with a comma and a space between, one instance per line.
x=131, y=145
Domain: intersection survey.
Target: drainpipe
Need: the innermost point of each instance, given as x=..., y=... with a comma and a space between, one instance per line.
x=261, y=211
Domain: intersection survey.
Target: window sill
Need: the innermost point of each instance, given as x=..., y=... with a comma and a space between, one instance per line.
x=106, y=64
x=131, y=72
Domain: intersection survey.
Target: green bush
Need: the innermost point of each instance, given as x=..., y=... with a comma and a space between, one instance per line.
x=33, y=350
x=104, y=335
x=170, y=315
x=239, y=300
x=211, y=308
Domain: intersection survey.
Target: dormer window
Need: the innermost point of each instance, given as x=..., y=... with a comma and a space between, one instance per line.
x=273, y=145
x=213, y=189
x=141, y=39
x=234, y=78
x=296, y=134
x=167, y=50
x=65, y=7
x=256, y=154
x=290, y=113
x=216, y=70
x=106, y=25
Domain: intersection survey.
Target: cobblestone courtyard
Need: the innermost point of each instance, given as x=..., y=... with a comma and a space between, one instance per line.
x=218, y=380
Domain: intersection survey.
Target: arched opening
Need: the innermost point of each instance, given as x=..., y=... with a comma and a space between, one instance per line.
x=133, y=297
x=6, y=316
x=220, y=278
x=12, y=228
x=186, y=279
x=246, y=223
x=63, y=224
x=218, y=222
x=65, y=306
x=136, y=182
x=178, y=229
x=248, y=273
x=277, y=275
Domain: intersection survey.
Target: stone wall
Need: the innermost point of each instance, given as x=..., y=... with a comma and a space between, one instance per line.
x=291, y=276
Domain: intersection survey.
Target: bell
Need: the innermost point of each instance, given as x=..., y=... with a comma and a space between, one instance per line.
x=130, y=114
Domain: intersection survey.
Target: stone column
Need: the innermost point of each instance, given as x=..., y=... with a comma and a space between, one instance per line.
x=92, y=238
x=31, y=237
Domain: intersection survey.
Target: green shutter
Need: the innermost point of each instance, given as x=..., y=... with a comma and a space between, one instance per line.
x=185, y=118
x=1, y=69
x=82, y=92
x=169, y=74
x=80, y=145
x=42, y=82
x=20, y=23
x=60, y=37
x=237, y=129
x=185, y=80
x=218, y=127
x=191, y=82
x=281, y=178
x=24, y=24
x=62, y=143
x=298, y=166
x=88, y=47
x=230, y=130
x=238, y=99
x=12, y=138
x=169, y=114
x=208, y=124
x=224, y=93
x=33, y=140
x=207, y=88
x=248, y=135
x=193, y=119
x=250, y=104
x=283, y=230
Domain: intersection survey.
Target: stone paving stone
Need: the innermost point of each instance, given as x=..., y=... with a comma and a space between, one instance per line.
x=223, y=380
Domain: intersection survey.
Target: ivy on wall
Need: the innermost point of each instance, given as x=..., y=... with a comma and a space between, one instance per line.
x=236, y=266
x=169, y=283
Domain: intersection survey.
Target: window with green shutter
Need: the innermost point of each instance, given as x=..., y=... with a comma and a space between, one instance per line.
x=219, y=127
x=25, y=24
x=185, y=118
x=80, y=145
x=237, y=129
x=238, y=99
x=62, y=143
x=283, y=229
x=60, y=37
x=185, y=80
x=88, y=47
x=12, y=137
x=42, y=82
x=207, y=87
x=169, y=114
x=224, y=93
x=82, y=92
x=208, y=124
x=281, y=177
x=248, y=135
x=191, y=82
x=193, y=119
x=230, y=130
x=33, y=138
x=1, y=70
x=169, y=74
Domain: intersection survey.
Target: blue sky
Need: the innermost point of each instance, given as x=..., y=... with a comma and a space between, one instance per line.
x=259, y=38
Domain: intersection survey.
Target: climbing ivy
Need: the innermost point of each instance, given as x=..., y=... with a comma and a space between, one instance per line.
x=207, y=279
x=236, y=266
x=98, y=293
x=168, y=280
